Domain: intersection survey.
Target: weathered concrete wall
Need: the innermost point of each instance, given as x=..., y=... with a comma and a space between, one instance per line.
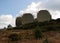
x=27, y=18
x=43, y=15
x=18, y=21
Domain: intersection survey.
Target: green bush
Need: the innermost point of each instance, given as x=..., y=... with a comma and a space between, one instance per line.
x=38, y=33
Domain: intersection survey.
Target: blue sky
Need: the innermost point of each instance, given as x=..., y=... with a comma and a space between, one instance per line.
x=10, y=9
x=13, y=6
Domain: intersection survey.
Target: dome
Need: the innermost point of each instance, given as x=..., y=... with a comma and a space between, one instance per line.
x=43, y=15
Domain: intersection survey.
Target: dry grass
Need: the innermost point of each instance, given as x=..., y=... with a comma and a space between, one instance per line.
x=27, y=36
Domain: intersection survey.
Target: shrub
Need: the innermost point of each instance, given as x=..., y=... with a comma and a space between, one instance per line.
x=13, y=37
x=38, y=33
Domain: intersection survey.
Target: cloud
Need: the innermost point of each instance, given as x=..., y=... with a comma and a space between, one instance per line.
x=32, y=8
x=6, y=20
x=52, y=5
x=55, y=14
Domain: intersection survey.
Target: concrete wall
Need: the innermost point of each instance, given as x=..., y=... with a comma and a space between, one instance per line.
x=27, y=18
x=43, y=15
x=18, y=21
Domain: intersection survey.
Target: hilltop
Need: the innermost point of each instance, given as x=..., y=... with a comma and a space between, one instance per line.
x=40, y=30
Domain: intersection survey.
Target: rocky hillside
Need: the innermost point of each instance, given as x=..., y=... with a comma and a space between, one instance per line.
x=46, y=32
x=27, y=36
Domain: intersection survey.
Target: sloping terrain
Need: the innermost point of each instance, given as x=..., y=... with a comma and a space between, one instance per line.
x=27, y=36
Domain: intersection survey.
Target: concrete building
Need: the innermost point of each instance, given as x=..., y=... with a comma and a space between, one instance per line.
x=18, y=21
x=43, y=15
x=27, y=18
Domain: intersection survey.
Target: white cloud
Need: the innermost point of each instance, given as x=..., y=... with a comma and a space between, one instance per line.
x=6, y=20
x=55, y=14
x=52, y=5
x=32, y=8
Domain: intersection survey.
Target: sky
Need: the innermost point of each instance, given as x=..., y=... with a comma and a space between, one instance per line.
x=10, y=9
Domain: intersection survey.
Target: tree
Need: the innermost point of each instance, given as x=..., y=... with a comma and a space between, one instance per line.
x=38, y=33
